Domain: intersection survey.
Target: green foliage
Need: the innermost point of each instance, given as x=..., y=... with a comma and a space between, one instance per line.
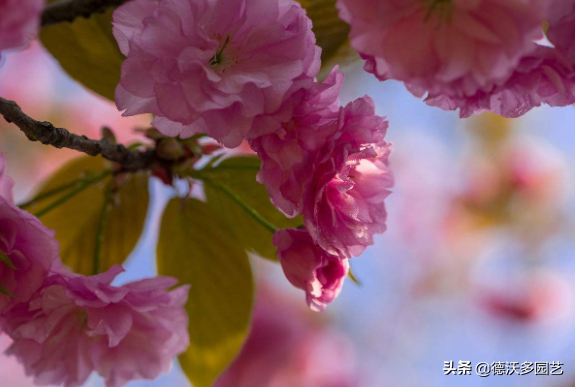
x=238, y=175
x=204, y=244
x=196, y=248
x=87, y=51
x=331, y=34
x=78, y=219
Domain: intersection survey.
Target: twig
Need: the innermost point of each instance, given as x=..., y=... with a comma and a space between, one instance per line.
x=48, y=134
x=69, y=10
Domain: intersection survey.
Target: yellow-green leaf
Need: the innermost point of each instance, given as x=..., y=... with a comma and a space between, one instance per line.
x=239, y=175
x=76, y=221
x=87, y=51
x=331, y=34
x=195, y=248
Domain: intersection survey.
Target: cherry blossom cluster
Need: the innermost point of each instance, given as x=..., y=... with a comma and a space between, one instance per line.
x=64, y=325
x=19, y=22
x=472, y=55
x=246, y=70
x=344, y=178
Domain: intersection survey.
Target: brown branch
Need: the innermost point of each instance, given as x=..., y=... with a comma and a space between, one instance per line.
x=68, y=10
x=48, y=134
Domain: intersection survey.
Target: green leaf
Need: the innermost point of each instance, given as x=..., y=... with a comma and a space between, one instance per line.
x=331, y=34
x=87, y=51
x=77, y=220
x=195, y=247
x=238, y=174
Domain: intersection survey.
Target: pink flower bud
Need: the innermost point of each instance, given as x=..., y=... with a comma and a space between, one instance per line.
x=310, y=268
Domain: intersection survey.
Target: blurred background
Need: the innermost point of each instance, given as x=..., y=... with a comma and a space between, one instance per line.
x=477, y=263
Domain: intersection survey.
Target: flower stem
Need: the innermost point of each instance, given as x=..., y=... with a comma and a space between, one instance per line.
x=51, y=193
x=245, y=206
x=103, y=221
x=81, y=187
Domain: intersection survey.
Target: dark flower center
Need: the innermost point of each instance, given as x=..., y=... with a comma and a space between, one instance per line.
x=223, y=58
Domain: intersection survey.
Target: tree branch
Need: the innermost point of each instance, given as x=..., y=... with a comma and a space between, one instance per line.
x=48, y=134
x=68, y=10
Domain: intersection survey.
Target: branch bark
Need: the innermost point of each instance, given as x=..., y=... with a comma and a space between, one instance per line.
x=48, y=134
x=68, y=10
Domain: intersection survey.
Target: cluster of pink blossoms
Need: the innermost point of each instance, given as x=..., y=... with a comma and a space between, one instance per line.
x=331, y=165
x=344, y=178
x=19, y=22
x=245, y=70
x=215, y=67
x=64, y=326
x=470, y=55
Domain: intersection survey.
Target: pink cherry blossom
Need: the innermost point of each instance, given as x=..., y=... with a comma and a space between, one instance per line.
x=545, y=76
x=212, y=66
x=561, y=14
x=12, y=373
x=78, y=324
x=448, y=47
x=287, y=153
x=310, y=268
x=344, y=203
x=538, y=297
x=19, y=22
x=31, y=249
x=27, y=248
